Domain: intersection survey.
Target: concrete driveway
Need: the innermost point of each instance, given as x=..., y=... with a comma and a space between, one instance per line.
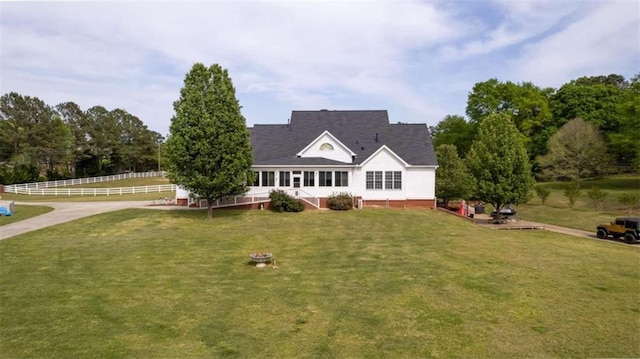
x=69, y=211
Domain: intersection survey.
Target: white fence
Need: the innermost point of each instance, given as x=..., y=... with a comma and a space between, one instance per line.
x=53, y=188
x=94, y=191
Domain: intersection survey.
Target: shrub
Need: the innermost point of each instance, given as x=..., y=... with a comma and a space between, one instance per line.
x=572, y=192
x=597, y=196
x=629, y=200
x=342, y=201
x=542, y=193
x=282, y=202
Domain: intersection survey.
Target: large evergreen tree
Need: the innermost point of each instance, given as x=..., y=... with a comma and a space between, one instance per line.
x=499, y=162
x=208, y=150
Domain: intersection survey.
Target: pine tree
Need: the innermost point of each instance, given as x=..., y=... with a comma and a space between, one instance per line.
x=208, y=150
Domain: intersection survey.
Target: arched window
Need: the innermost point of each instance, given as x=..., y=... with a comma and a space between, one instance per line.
x=326, y=147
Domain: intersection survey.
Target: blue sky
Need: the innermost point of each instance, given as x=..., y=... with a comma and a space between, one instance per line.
x=416, y=59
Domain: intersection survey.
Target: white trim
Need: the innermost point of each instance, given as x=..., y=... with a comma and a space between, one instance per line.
x=317, y=139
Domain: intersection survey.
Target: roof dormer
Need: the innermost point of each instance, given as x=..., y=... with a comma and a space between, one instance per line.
x=327, y=146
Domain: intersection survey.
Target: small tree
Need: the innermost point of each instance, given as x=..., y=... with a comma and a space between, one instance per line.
x=453, y=179
x=542, y=193
x=597, y=196
x=208, y=150
x=572, y=192
x=629, y=200
x=499, y=163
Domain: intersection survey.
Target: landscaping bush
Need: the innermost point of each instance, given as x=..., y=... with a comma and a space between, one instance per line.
x=542, y=193
x=572, y=192
x=630, y=201
x=597, y=196
x=282, y=202
x=342, y=201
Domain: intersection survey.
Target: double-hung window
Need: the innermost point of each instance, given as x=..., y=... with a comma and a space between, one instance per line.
x=374, y=180
x=393, y=180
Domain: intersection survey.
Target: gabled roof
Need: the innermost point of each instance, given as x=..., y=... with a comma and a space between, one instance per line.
x=363, y=132
x=327, y=134
x=388, y=150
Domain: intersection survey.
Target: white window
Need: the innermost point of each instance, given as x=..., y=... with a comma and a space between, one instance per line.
x=341, y=179
x=285, y=179
x=268, y=179
x=309, y=179
x=393, y=180
x=326, y=147
x=374, y=180
x=324, y=178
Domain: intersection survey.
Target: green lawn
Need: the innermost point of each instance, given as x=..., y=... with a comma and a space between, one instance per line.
x=370, y=283
x=583, y=215
x=24, y=212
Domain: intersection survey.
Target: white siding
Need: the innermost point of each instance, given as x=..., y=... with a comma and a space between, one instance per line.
x=383, y=161
x=420, y=183
x=339, y=152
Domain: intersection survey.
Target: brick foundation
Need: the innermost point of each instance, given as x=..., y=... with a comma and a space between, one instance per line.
x=182, y=202
x=409, y=203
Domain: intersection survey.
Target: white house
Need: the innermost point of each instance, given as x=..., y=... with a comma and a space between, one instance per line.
x=320, y=153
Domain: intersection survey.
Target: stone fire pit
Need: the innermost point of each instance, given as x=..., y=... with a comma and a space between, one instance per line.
x=260, y=257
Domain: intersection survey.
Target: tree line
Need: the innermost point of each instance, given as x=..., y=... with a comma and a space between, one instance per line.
x=43, y=142
x=588, y=127
x=594, y=122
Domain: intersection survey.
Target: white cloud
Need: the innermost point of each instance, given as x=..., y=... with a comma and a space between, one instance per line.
x=606, y=40
x=519, y=22
x=414, y=58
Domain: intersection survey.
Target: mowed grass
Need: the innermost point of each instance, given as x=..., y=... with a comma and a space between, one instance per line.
x=371, y=283
x=583, y=215
x=24, y=212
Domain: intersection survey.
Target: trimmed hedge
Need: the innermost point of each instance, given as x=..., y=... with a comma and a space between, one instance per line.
x=282, y=202
x=342, y=201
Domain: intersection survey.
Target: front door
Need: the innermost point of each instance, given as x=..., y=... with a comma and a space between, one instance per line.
x=296, y=181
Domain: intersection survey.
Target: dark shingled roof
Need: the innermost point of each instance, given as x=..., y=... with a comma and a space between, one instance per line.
x=358, y=130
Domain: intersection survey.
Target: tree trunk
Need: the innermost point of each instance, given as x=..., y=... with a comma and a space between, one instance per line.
x=209, y=209
x=498, y=207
